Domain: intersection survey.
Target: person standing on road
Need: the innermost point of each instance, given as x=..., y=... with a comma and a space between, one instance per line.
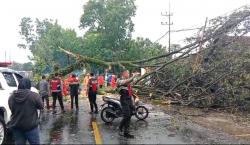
x=92, y=92
x=109, y=77
x=44, y=91
x=24, y=104
x=125, y=90
x=56, y=92
x=74, y=90
x=85, y=84
x=113, y=81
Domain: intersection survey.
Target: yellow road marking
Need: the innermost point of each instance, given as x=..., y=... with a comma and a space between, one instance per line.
x=98, y=139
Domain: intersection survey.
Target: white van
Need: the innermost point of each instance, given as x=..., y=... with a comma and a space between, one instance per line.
x=9, y=80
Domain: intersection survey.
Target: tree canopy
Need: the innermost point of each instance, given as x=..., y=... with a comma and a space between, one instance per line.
x=111, y=21
x=108, y=37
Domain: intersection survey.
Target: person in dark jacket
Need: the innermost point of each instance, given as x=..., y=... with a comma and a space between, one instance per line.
x=44, y=91
x=74, y=90
x=24, y=105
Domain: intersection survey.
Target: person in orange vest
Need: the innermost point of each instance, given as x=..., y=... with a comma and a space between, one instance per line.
x=56, y=92
x=74, y=88
x=85, y=84
x=66, y=86
x=92, y=92
x=100, y=81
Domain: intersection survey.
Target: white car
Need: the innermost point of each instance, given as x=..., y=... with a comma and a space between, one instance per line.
x=8, y=83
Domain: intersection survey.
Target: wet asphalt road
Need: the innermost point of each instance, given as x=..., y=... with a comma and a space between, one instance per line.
x=76, y=128
x=70, y=127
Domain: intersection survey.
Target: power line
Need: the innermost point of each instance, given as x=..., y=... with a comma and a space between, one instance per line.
x=182, y=30
x=172, y=31
x=188, y=29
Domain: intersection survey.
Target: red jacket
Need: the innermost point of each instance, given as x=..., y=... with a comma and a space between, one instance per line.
x=100, y=80
x=56, y=85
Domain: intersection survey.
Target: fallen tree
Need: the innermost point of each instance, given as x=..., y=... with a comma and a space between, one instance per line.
x=220, y=78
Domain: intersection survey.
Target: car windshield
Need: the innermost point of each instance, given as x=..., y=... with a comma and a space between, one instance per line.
x=19, y=77
x=10, y=79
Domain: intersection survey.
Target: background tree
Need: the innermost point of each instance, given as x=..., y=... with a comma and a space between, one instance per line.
x=22, y=66
x=111, y=20
x=43, y=39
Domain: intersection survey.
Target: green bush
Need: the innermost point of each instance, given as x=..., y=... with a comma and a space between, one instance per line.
x=105, y=90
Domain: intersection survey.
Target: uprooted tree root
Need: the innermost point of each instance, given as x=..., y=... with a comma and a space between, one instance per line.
x=215, y=76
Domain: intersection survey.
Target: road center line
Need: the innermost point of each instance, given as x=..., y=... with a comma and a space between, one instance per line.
x=98, y=139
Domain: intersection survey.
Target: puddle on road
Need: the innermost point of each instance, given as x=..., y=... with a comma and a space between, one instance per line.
x=140, y=124
x=65, y=128
x=159, y=115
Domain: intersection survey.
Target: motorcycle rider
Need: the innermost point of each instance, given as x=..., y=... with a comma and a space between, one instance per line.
x=126, y=92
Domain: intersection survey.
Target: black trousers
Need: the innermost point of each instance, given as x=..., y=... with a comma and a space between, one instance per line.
x=127, y=107
x=46, y=98
x=92, y=100
x=57, y=96
x=74, y=96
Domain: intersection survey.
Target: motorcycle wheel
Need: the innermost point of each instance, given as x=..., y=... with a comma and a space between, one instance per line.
x=141, y=112
x=105, y=116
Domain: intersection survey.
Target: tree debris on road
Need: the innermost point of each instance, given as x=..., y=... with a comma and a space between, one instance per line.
x=216, y=75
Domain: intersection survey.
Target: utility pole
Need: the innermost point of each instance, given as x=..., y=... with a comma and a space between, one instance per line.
x=5, y=56
x=169, y=23
x=10, y=55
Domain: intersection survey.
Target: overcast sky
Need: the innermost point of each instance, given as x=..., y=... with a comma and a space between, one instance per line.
x=186, y=14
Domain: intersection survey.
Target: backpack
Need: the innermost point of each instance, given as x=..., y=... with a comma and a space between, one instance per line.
x=93, y=84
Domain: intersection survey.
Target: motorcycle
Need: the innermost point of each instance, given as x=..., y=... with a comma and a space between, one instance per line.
x=111, y=109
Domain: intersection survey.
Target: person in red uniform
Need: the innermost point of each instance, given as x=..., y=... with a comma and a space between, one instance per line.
x=100, y=81
x=56, y=92
x=74, y=89
x=113, y=81
x=92, y=92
